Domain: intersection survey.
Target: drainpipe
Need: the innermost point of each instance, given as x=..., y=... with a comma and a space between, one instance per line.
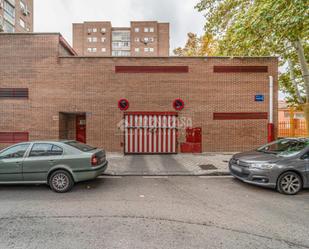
x=270, y=126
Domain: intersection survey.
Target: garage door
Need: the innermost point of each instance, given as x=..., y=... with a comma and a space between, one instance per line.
x=150, y=133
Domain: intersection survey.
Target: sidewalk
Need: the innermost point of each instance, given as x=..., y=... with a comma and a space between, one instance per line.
x=180, y=164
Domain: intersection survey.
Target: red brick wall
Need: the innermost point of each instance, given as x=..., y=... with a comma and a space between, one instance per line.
x=91, y=85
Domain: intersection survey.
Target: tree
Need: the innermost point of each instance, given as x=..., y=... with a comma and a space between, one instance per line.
x=265, y=27
x=198, y=46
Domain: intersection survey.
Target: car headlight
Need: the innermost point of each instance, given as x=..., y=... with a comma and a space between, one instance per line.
x=262, y=166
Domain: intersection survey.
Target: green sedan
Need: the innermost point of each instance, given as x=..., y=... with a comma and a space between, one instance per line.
x=58, y=164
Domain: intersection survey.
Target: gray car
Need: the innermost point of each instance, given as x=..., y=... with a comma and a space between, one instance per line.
x=58, y=164
x=283, y=164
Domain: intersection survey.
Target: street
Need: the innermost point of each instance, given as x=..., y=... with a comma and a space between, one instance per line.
x=153, y=212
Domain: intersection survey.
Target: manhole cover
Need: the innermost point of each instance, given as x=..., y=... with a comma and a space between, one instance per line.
x=207, y=166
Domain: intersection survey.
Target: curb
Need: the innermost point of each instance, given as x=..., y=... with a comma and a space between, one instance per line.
x=185, y=174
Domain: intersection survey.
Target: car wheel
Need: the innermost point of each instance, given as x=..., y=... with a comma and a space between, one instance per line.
x=61, y=181
x=289, y=183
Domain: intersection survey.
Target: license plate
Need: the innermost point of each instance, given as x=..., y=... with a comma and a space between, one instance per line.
x=236, y=168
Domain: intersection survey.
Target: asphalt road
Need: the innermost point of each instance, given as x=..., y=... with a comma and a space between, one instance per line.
x=136, y=212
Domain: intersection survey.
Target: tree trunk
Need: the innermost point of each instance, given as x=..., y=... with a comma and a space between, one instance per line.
x=305, y=72
x=292, y=77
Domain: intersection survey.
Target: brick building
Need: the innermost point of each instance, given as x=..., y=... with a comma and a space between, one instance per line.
x=147, y=38
x=48, y=92
x=16, y=15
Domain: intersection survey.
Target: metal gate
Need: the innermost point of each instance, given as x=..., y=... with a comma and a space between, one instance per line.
x=150, y=132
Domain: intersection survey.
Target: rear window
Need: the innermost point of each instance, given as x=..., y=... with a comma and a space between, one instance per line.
x=80, y=146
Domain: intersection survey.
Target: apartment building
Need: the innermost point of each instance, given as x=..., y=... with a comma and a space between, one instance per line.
x=145, y=39
x=16, y=16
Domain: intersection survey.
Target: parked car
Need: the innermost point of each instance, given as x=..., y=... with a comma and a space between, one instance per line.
x=283, y=164
x=58, y=164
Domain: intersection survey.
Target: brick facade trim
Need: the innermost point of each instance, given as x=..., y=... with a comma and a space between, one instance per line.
x=151, y=69
x=240, y=69
x=239, y=115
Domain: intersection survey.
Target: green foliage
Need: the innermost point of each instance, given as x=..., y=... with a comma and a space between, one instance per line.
x=198, y=46
x=261, y=28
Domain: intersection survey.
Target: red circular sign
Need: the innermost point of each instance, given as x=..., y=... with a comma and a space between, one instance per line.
x=123, y=104
x=178, y=104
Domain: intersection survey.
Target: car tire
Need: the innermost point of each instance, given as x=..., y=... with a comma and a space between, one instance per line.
x=61, y=181
x=289, y=183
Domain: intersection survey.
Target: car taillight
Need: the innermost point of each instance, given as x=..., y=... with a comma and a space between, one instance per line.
x=94, y=160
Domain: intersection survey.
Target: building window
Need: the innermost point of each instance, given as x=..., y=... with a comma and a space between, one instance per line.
x=146, y=30
x=148, y=39
x=103, y=39
x=103, y=50
x=146, y=49
x=89, y=31
x=103, y=30
x=136, y=50
x=8, y=27
x=137, y=39
x=94, y=30
x=121, y=45
x=9, y=12
x=92, y=39
x=22, y=23
x=151, y=30
x=24, y=8
x=120, y=53
x=121, y=36
x=22, y=5
x=92, y=50
x=14, y=93
x=151, y=49
x=136, y=30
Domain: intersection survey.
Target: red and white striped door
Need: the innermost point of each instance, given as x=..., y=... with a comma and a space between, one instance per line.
x=150, y=133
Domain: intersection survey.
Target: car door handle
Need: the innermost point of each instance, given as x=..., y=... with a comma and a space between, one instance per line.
x=51, y=161
x=18, y=162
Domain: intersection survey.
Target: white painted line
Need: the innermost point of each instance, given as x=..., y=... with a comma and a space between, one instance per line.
x=155, y=177
x=103, y=177
x=215, y=176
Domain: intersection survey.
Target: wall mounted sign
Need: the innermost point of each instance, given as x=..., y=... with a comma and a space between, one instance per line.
x=259, y=98
x=178, y=104
x=123, y=104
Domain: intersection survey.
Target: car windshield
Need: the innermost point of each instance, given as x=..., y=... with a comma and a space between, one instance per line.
x=285, y=147
x=80, y=146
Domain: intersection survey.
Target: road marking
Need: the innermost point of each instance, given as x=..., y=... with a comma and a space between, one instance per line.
x=155, y=177
x=103, y=177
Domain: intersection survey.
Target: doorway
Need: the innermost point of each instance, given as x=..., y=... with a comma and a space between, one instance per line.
x=72, y=126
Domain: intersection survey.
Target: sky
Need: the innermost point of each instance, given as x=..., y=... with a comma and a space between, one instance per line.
x=58, y=15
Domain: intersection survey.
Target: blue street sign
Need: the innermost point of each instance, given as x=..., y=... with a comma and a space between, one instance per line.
x=259, y=98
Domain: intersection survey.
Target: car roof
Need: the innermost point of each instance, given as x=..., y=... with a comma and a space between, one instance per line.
x=49, y=141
